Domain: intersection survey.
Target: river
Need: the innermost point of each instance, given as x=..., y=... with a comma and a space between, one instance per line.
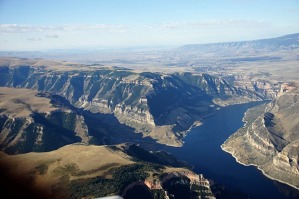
x=202, y=150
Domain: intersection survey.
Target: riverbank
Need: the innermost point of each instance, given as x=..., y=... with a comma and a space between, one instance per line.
x=258, y=167
x=254, y=145
x=202, y=149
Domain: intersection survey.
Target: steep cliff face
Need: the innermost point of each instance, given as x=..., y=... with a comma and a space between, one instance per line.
x=29, y=122
x=40, y=132
x=182, y=184
x=270, y=137
x=157, y=105
x=262, y=87
x=231, y=89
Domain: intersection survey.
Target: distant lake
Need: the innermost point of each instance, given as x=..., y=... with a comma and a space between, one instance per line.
x=202, y=149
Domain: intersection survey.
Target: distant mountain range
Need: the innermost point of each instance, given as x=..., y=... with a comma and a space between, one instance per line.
x=133, y=58
x=286, y=42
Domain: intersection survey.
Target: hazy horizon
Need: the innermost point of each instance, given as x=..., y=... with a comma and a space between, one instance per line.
x=60, y=25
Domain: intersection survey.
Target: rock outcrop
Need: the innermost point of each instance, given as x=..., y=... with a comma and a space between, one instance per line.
x=161, y=106
x=29, y=122
x=263, y=87
x=197, y=183
x=270, y=138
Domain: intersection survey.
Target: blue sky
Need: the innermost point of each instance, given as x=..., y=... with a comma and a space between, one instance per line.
x=89, y=24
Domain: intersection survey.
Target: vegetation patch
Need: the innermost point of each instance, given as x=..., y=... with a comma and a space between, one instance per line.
x=100, y=187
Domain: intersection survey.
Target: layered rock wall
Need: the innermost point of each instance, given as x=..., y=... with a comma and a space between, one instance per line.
x=270, y=138
x=147, y=102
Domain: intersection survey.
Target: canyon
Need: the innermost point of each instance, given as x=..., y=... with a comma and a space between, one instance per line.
x=54, y=114
x=95, y=103
x=269, y=139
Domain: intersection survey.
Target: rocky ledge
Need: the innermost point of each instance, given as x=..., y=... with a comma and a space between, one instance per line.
x=159, y=106
x=270, y=139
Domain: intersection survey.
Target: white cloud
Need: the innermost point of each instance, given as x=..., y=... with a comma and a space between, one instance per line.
x=21, y=36
x=29, y=28
x=22, y=28
x=214, y=24
x=52, y=36
x=34, y=39
x=52, y=31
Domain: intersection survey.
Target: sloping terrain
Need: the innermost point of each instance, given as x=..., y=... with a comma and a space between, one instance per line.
x=161, y=106
x=34, y=121
x=77, y=171
x=270, y=138
x=29, y=122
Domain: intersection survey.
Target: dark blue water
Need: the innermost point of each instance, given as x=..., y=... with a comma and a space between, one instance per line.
x=202, y=149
